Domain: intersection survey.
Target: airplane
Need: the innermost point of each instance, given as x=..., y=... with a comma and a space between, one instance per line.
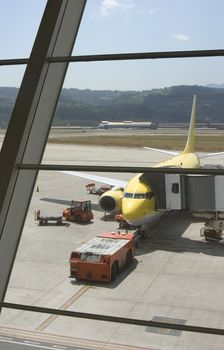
x=135, y=199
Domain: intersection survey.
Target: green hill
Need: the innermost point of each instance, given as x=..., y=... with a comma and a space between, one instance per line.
x=89, y=107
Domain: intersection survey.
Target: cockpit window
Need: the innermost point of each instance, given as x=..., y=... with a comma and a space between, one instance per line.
x=139, y=195
x=149, y=195
x=128, y=195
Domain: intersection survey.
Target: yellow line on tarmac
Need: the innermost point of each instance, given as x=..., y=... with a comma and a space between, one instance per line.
x=65, y=306
x=61, y=340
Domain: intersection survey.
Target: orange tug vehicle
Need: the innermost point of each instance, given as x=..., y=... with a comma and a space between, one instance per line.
x=79, y=211
x=103, y=257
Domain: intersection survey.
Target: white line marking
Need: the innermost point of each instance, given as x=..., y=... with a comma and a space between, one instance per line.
x=5, y=338
x=26, y=344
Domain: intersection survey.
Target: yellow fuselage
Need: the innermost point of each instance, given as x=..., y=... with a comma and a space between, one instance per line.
x=188, y=160
x=138, y=202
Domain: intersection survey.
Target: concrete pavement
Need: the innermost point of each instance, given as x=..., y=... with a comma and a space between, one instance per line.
x=176, y=275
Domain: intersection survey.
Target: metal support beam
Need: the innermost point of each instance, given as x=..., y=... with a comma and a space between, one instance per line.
x=123, y=56
x=122, y=169
x=115, y=319
x=140, y=56
x=30, y=123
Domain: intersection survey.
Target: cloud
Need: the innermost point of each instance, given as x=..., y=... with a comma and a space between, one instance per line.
x=149, y=12
x=181, y=37
x=152, y=11
x=109, y=5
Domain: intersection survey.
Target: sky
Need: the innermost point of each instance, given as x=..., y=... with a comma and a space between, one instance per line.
x=120, y=26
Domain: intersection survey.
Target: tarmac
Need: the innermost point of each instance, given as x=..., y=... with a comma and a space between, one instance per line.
x=177, y=276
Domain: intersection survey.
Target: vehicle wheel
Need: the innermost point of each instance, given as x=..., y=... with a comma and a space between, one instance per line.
x=114, y=271
x=128, y=258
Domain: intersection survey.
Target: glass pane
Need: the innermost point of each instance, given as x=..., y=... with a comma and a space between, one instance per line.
x=19, y=21
x=164, y=282
x=142, y=25
x=155, y=94
x=144, y=74
x=10, y=80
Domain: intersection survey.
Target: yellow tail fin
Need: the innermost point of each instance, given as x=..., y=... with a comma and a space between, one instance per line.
x=189, y=148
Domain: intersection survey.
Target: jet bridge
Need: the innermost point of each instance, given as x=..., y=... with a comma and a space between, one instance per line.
x=196, y=193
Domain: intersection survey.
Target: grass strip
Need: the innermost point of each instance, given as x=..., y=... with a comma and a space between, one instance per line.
x=204, y=143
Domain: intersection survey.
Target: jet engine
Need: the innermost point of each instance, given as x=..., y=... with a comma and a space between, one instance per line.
x=111, y=200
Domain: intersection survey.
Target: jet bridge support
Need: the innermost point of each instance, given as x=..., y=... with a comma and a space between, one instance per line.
x=213, y=228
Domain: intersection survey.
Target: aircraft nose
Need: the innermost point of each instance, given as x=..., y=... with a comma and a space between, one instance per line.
x=131, y=210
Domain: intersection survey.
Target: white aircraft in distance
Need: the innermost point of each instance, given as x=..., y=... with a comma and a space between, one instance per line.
x=135, y=199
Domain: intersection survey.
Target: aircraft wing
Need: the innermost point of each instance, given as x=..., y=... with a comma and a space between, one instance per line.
x=172, y=153
x=205, y=155
x=97, y=178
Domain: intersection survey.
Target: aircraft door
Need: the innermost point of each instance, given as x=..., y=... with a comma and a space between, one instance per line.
x=173, y=190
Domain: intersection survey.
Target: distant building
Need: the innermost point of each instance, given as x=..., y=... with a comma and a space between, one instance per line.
x=125, y=124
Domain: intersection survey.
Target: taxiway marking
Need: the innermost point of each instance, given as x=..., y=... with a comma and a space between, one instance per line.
x=65, y=306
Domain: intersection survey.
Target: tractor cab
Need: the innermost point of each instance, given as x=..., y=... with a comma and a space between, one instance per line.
x=79, y=211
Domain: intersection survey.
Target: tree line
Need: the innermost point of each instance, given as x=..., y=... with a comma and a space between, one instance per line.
x=88, y=107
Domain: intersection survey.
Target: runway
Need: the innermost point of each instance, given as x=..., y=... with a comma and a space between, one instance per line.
x=176, y=276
